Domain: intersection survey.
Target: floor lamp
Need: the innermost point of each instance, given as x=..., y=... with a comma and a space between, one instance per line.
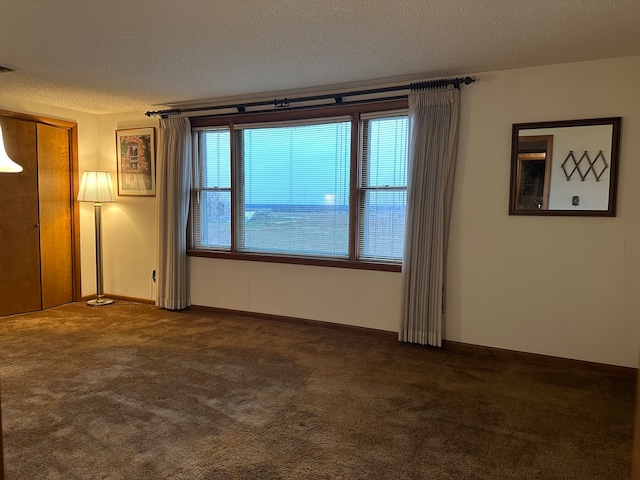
x=96, y=187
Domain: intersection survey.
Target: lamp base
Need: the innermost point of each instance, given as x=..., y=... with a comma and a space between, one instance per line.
x=99, y=302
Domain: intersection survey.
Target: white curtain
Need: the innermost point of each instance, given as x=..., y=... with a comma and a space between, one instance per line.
x=433, y=139
x=173, y=190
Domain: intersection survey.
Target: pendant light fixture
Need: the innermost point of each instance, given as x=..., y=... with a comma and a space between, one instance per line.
x=6, y=164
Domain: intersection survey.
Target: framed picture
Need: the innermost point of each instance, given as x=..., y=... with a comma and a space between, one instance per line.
x=136, y=151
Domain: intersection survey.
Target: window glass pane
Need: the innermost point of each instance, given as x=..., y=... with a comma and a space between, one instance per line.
x=383, y=224
x=384, y=178
x=216, y=159
x=211, y=212
x=386, y=152
x=214, y=210
x=295, y=182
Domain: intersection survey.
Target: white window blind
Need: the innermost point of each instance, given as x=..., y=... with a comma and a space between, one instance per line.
x=383, y=187
x=293, y=188
x=212, y=193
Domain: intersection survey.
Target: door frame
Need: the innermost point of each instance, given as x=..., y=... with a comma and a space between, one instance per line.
x=72, y=129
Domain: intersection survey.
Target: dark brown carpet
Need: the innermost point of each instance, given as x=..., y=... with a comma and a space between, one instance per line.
x=133, y=392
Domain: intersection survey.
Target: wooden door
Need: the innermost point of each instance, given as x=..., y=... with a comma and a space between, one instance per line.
x=19, y=230
x=55, y=193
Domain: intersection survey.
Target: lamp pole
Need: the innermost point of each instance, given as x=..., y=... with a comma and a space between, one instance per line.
x=100, y=299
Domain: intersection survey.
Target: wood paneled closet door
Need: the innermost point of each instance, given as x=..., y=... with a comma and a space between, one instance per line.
x=19, y=232
x=36, y=250
x=54, y=189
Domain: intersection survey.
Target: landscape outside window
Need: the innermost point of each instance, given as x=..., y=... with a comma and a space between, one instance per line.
x=291, y=189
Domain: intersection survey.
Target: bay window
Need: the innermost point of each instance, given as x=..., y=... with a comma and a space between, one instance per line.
x=326, y=188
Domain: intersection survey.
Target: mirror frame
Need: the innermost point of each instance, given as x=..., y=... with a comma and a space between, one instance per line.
x=615, y=122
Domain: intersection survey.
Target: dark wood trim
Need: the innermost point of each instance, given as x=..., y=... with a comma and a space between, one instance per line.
x=635, y=475
x=354, y=188
x=236, y=144
x=317, y=262
x=300, y=321
x=536, y=358
x=283, y=116
x=54, y=122
x=75, y=213
x=122, y=298
x=450, y=346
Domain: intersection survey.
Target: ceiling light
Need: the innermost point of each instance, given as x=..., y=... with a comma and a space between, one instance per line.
x=6, y=164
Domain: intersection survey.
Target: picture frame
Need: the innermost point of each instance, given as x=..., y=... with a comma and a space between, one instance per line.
x=136, y=158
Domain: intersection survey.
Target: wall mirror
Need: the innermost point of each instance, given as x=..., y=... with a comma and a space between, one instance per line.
x=565, y=167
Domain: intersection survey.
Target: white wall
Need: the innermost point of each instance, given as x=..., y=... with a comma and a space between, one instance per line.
x=561, y=286
x=129, y=226
x=338, y=295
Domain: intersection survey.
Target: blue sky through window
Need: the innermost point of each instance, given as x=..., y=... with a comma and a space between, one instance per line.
x=297, y=165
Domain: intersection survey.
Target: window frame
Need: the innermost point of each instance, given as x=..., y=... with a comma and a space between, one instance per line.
x=364, y=174
x=355, y=194
x=197, y=191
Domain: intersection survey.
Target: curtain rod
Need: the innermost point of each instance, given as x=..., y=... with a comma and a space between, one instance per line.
x=337, y=97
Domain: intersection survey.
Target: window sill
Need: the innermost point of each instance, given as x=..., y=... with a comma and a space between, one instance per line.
x=318, y=262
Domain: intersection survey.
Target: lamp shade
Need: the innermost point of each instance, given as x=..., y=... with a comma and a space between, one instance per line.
x=6, y=164
x=96, y=187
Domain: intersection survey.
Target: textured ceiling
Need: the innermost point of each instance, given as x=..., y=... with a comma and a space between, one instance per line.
x=131, y=55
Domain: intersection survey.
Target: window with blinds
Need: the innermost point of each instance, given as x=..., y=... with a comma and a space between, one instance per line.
x=383, y=187
x=211, y=202
x=311, y=190
x=293, y=188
